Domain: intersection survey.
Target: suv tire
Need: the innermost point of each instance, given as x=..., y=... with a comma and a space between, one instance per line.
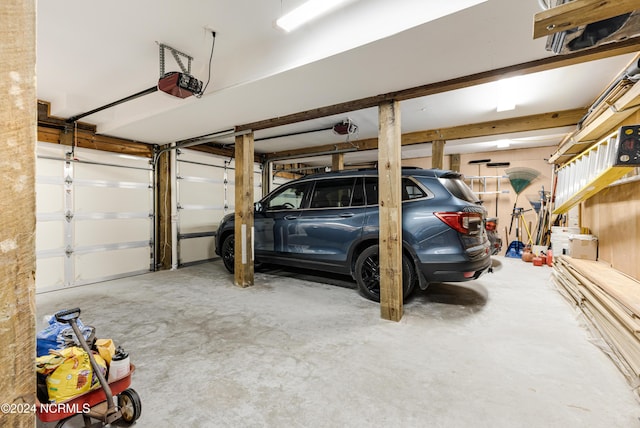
x=228, y=252
x=367, y=274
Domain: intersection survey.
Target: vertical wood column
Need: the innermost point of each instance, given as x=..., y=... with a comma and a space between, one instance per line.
x=18, y=134
x=163, y=187
x=437, y=154
x=267, y=178
x=455, y=162
x=390, y=173
x=337, y=162
x=244, y=211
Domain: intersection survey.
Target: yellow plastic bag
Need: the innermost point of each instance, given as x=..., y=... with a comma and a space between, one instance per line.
x=106, y=348
x=47, y=364
x=74, y=376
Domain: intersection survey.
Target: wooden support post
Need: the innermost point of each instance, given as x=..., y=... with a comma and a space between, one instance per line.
x=337, y=162
x=244, y=211
x=455, y=162
x=390, y=173
x=437, y=154
x=163, y=187
x=18, y=130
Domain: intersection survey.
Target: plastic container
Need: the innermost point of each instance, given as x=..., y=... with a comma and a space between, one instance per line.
x=119, y=366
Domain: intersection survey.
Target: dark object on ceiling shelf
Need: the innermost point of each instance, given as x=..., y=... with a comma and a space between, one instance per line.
x=610, y=30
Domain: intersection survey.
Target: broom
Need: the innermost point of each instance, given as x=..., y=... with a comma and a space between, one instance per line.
x=520, y=178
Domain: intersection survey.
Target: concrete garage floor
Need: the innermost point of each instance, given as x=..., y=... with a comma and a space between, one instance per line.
x=503, y=351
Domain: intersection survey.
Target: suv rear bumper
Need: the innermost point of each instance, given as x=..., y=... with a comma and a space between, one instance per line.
x=455, y=271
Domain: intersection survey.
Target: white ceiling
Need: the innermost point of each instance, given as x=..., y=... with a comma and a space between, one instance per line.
x=93, y=53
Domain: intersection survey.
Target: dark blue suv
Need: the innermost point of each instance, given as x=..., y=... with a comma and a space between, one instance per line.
x=329, y=222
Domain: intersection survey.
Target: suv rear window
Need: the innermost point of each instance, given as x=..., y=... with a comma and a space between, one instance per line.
x=459, y=189
x=410, y=190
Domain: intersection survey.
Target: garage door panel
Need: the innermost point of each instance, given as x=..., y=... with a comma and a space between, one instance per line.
x=108, y=159
x=50, y=273
x=103, y=265
x=111, y=231
x=196, y=249
x=199, y=170
x=199, y=194
x=49, y=167
x=205, y=194
x=49, y=198
x=111, y=174
x=97, y=199
x=195, y=156
x=195, y=221
x=49, y=235
x=93, y=216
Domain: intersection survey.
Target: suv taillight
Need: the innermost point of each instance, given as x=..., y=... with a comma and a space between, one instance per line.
x=469, y=223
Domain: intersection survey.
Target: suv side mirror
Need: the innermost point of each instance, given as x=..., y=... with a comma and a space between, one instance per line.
x=257, y=207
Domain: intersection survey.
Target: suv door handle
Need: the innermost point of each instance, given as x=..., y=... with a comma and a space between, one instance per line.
x=346, y=215
x=290, y=217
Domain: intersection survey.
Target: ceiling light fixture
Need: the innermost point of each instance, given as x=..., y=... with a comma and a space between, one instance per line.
x=507, y=91
x=305, y=13
x=505, y=105
x=503, y=144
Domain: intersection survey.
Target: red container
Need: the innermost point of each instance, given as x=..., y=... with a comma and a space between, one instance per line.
x=537, y=261
x=550, y=258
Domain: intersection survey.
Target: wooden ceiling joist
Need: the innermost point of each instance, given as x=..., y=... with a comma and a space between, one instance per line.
x=544, y=64
x=579, y=12
x=484, y=129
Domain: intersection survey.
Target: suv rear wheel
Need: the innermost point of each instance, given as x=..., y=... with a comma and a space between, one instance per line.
x=367, y=274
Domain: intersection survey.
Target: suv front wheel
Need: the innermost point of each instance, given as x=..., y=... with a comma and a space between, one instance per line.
x=228, y=252
x=367, y=274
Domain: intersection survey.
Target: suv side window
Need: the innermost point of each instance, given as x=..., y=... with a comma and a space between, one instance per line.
x=332, y=193
x=410, y=190
x=357, y=200
x=371, y=190
x=290, y=198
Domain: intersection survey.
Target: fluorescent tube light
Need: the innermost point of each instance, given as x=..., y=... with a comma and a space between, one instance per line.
x=505, y=105
x=305, y=13
x=503, y=144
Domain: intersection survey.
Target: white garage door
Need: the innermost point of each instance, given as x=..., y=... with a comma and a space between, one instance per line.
x=205, y=192
x=94, y=216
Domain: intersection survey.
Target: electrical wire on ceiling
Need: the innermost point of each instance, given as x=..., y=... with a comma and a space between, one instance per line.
x=213, y=43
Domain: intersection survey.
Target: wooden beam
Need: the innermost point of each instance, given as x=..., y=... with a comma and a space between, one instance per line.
x=244, y=211
x=579, y=12
x=543, y=64
x=89, y=140
x=390, y=249
x=45, y=119
x=483, y=129
x=437, y=154
x=455, y=162
x=163, y=187
x=18, y=213
x=337, y=162
x=505, y=126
